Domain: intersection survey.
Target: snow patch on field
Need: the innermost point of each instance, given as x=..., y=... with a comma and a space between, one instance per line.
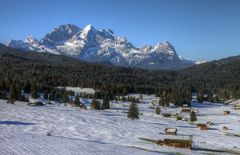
x=79, y=90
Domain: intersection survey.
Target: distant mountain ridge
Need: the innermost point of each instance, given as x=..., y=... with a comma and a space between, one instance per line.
x=90, y=44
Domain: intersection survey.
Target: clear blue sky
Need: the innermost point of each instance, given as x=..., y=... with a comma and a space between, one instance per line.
x=199, y=29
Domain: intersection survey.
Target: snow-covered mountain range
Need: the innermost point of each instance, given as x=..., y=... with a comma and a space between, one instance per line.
x=90, y=44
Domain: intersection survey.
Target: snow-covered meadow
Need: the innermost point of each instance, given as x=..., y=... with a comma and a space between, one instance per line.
x=59, y=129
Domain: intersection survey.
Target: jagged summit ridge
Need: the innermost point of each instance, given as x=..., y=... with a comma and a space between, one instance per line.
x=91, y=44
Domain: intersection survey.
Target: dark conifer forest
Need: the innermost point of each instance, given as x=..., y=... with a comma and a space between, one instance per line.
x=220, y=80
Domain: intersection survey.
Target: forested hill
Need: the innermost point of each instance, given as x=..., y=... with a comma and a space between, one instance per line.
x=46, y=70
x=219, y=77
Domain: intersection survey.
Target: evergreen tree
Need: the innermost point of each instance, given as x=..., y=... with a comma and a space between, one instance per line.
x=128, y=99
x=161, y=103
x=34, y=91
x=105, y=104
x=45, y=94
x=167, y=104
x=200, y=97
x=216, y=99
x=137, y=100
x=77, y=101
x=141, y=97
x=27, y=87
x=8, y=82
x=65, y=98
x=124, y=99
x=13, y=94
x=210, y=97
x=193, y=116
x=58, y=95
x=133, y=111
x=18, y=88
x=52, y=95
x=158, y=110
x=2, y=84
x=2, y=94
x=95, y=104
x=186, y=101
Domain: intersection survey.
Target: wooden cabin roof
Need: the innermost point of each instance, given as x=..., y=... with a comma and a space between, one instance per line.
x=170, y=130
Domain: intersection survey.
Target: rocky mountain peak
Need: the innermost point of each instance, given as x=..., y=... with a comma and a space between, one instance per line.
x=59, y=35
x=91, y=44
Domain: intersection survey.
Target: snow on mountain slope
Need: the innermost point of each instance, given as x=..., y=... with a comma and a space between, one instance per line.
x=103, y=45
x=59, y=35
x=200, y=62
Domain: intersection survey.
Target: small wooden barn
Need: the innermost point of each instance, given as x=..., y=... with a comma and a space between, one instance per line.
x=83, y=106
x=178, y=143
x=186, y=110
x=185, y=105
x=35, y=104
x=225, y=128
x=71, y=104
x=171, y=131
x=226, y=112
x=210, y=123
x=10, y=101
x=166, y=115
x=202, y=126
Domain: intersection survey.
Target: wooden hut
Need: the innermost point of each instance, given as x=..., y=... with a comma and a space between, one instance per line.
x=171, y=131
x=166, y=115
x=225, y=128
x=35, y=104
x=202, y=126
x=10, y=101
x=186, y=110
x=178, y=143
x=83, y=106
x=71, y=104
x=210, y=123
x=226, y=112
x=185, y=105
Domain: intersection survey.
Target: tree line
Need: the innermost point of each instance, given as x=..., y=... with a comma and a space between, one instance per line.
x=32, y=72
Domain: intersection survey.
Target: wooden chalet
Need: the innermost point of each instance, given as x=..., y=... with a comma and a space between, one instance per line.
x=186, y=110
x=71, y=104
x=171, y=131
x=35, y=103
x=226, y=112
x=177, y=143
x=202, y=126
x=166, y=115
x=225, y=128
x=210, y=123
x=83, y=106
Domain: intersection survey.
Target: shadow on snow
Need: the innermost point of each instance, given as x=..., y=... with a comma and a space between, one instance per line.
x=15, y=123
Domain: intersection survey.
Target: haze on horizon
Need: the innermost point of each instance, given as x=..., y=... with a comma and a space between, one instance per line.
x=206, y=29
